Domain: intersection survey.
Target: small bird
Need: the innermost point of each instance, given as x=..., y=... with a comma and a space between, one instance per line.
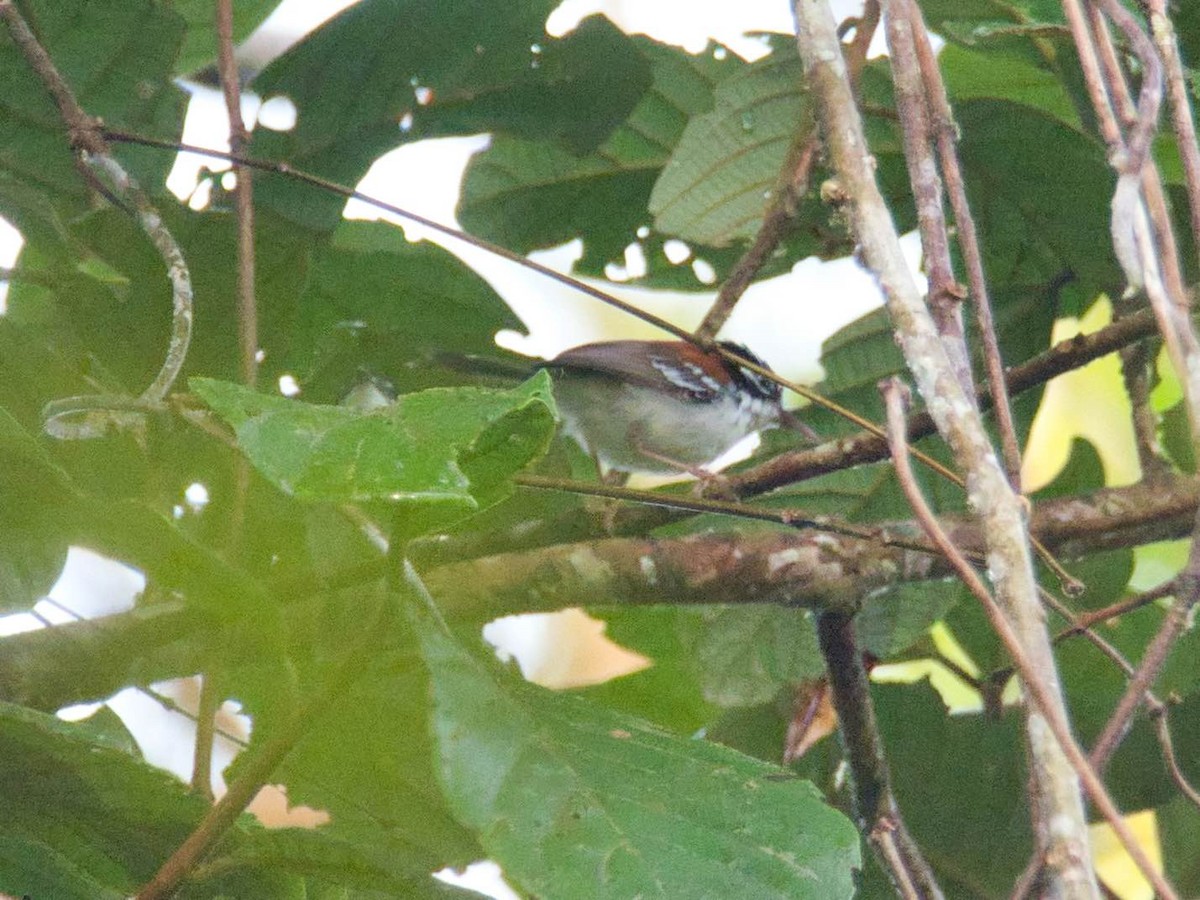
x=661, y=407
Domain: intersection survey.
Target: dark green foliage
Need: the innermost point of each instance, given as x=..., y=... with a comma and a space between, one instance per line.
x=429, y=753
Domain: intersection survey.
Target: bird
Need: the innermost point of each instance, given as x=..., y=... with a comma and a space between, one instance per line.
x=661, y=407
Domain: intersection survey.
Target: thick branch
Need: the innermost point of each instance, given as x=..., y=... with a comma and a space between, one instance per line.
x=90, y=660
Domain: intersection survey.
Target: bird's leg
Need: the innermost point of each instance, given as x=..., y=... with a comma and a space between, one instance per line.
x=708, y=483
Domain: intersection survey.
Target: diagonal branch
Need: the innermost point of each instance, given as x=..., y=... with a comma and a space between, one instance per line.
x=1071, y=873
x=946, y=136
x=877, y=811
x=790, y=187
x=1058, y=810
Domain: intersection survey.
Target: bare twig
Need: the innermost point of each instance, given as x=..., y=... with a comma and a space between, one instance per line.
x=1181, y=111
x=945, y=293
x=790, y=187
x=1068, y=860
x=206, y=723
x=1142, y=236
x=1112, y=611
x=866, y=447
x=777, y=222
x=1162, y=729
x=1136, y=374
x=877, y=812
x=946, y=135
x=243, y=193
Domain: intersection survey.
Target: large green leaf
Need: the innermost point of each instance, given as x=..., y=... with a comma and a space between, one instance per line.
x=973, y=74
x=575, y=800
x=451, y=446
x=1040, y=192
x=720, y=178
x=117, y=58
x=446, y=68
x=744, y=654
x=376, y=303
x=31, y=557
x=530, y=194
x=378, y=785
x=112, y=328
x=977, y=21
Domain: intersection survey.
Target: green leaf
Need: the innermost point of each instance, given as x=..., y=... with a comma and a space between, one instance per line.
x=117, y=58
x=387, y=816
x=530, y=194
x=973, y=74
x=450, y=446
x=574, y=800
x=668, y=692
x=109, y=815
x=31, y=557
x=440, y=69
x=83, y=819
x=978, y=21
x=376, y=303
x=114, y=330
x=718, y=182
x=744, y=655
x=200, y=44
x=895, y=619
x=29, y=868
x=1040, y=192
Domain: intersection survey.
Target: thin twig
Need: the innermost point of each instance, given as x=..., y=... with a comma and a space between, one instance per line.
x=1112, y=611
x=1145, y=123
x=790, y=517
x=1162, y=729
x=945, y=293
x=790, y=187
x=1182, y=121
x=243, y=193
x=1137, y=376
x=1142, y=234
x=562, y=278
x=206, y=724
x=1134, y=119
x=777, y=222
x=946, y=135
x=1071, y=862
x=1187, y=593
x=867, y=447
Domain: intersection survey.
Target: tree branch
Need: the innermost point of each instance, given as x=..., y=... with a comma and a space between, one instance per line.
x=85, y=417
x=1067, y=855
x=877, y=812
x=946, y=135
x=1057, y=803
